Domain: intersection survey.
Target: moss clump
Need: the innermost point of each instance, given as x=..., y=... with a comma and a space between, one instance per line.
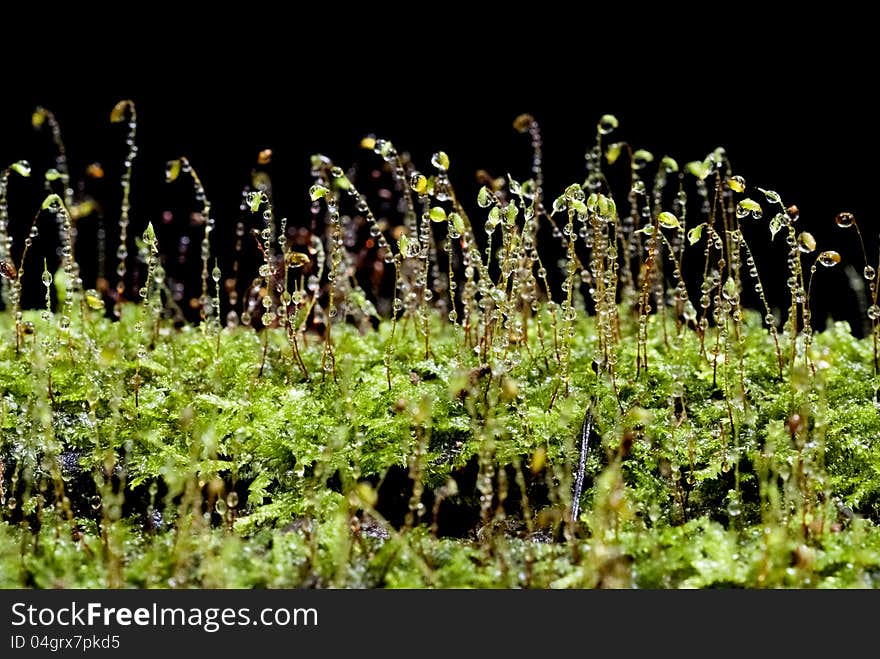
x=474, y=413
x=221, y=476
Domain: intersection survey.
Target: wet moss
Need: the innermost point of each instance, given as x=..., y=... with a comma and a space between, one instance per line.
x=219, y=477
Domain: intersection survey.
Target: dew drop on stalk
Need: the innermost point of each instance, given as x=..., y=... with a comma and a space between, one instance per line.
x=734, y=507
x=829, y=259
x=873, y=312
x=870, y=273
x=845, y=220
x=484, y=197
x=806, y=242
x=418, y=183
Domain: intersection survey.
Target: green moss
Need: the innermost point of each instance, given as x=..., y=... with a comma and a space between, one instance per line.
x=483, y=431
x=292, y=453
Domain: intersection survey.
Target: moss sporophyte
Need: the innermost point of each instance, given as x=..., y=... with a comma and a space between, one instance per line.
x=414, y=389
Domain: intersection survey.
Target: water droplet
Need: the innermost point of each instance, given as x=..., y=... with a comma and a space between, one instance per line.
x=93, y=299
x=484, y=197
x=748, y=207
x=668, y=220
x=47, y=278
x=440, y=160
x=829, y=259
x=806, y=242
x=845, y=220
x=316, y=192
x=220, y=507
x=736, y=183
x=870, y=273
x=772, y=196
x=873, y=312
x=95, y=502
x=734, y=507
x=418, y=182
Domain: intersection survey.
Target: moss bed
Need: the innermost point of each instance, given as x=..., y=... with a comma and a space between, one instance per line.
x=465, y=421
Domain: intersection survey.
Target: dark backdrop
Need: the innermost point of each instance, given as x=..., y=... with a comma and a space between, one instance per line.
x=792, y=110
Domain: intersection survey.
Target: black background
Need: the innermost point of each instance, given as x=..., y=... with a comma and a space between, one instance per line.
x=792, y=106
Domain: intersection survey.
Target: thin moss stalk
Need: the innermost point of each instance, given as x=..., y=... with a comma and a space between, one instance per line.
x=121, y=111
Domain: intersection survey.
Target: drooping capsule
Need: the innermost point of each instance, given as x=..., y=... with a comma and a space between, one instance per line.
x=523, y=122
x=440, y=160
x=93, y=299
x=806, y=242
x=829, y=258
x=736, y=183
x=845, y=220
x=607, y=123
